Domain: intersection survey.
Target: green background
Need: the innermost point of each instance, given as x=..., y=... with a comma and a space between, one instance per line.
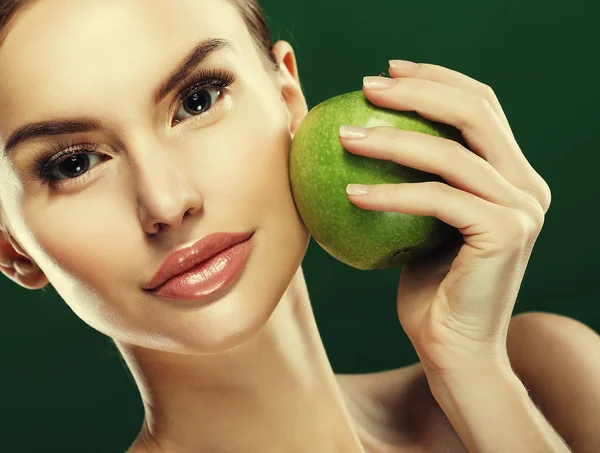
x=62, y=384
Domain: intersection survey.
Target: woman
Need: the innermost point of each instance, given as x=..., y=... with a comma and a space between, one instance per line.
x=96, y=207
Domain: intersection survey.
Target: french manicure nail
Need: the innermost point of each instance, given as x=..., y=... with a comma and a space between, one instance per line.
x=352, y=132
x=403, y=64
x=378, y=83
x=356, y=189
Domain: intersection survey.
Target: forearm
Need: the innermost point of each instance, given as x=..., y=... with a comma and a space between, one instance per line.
x=491, y=411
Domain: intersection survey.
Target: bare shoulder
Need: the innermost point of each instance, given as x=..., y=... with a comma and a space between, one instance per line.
x=397, y=413
x=381, y=386
x=556, y=357
x=558, y=360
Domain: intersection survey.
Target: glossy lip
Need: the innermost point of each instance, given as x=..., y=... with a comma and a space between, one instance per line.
x=184, y=259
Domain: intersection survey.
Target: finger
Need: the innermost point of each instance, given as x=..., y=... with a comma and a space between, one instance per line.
x=489, y=227
x=437, y=73
x=456, y=165
x=473, y=117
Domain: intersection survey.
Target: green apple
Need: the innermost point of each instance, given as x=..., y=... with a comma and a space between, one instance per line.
x=320, y=168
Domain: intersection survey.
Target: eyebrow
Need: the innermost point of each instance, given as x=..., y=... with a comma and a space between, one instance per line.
x=60, y=127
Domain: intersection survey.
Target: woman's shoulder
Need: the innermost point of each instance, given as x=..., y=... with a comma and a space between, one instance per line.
x=395, y=411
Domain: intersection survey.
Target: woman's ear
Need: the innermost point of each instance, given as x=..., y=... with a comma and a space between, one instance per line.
x=291, y=89
x=16, y=264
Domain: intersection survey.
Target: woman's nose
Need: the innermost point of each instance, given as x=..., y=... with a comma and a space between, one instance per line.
x=166, y=193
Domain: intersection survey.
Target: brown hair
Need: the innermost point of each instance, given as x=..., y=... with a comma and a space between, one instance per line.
x=249, y=9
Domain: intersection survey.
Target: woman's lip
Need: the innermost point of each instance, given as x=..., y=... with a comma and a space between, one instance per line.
x=210, y=276
x=185, y=258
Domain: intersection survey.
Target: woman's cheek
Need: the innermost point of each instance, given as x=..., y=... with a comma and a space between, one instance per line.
x=82, y=234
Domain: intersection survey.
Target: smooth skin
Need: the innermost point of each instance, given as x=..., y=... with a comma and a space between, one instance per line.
x=250, y=372
x=456, y=308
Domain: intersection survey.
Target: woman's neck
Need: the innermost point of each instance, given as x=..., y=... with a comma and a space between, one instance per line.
x=275, y=392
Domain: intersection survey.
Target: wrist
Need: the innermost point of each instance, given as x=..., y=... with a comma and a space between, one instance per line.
x=491, y=411
x=467, y=371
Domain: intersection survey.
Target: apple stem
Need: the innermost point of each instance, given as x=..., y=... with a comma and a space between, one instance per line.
x=381, y=74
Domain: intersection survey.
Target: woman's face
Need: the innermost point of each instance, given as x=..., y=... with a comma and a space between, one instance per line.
x=218, y=162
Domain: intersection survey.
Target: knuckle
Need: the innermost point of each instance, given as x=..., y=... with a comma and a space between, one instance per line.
x=535, y=211
x=488, y=93
x=436, y=188
x=515, y=229
x=541, y=191
x=480, y=108
x=547, y=197
x=535, y=225
x=539, y=215
x=485, y=106
x=528, y=226
x=464, y=153
x=520, y=225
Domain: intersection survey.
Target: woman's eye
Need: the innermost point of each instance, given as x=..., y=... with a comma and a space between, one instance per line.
x=198, y=101
x=73, y=166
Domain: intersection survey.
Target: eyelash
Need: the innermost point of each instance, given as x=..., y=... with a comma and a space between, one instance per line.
x=60, y=151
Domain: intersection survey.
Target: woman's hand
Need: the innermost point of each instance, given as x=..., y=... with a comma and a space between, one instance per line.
x=456, y=306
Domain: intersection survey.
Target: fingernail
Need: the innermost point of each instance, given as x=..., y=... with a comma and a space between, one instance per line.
x=403, y=64
x=356, y=189
x=353, y=132
x=378, y=83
